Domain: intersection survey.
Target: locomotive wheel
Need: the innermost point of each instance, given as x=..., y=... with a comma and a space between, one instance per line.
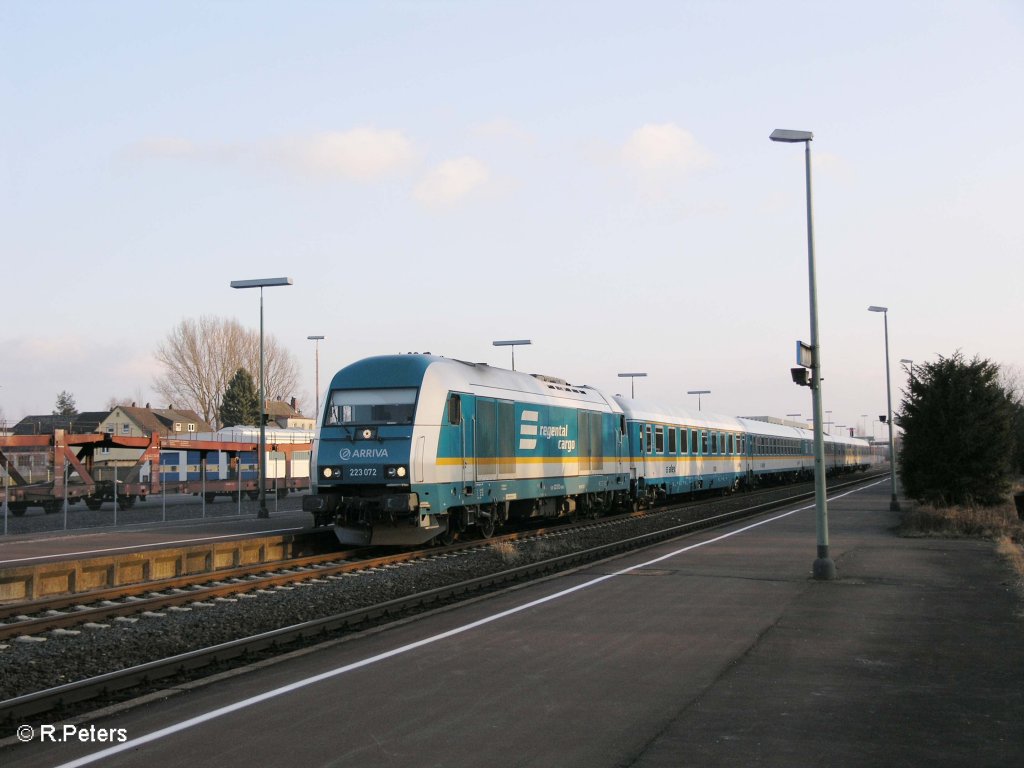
x=448, y=537
x=93, y=504
x=486, y=525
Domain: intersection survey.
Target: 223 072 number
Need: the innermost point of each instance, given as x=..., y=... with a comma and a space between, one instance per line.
x=362, y=471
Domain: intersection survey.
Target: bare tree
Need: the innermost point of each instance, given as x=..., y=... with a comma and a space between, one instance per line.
x=201, y=356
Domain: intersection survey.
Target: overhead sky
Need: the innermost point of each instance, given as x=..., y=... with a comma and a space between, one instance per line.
x=436, y=175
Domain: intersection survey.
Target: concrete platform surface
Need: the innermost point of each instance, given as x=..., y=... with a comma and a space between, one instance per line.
x=718, y=650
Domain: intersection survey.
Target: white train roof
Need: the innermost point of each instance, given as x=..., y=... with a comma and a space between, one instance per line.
x=489, y=381
x=646, y=410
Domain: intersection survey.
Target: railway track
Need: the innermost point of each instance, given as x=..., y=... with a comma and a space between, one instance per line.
x=325, y=567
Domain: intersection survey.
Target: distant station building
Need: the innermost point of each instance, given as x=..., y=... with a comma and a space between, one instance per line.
x=88, y=421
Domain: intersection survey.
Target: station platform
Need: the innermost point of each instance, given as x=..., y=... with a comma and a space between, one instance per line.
x=38, y=538
x=715, y=650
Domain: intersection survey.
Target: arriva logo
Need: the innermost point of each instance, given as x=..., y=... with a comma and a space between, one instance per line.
x=363, y=453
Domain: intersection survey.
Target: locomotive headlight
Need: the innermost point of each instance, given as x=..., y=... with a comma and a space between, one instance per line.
x=328, y=472
x=395, y=472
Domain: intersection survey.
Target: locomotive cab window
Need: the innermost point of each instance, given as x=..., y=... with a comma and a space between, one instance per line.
x=371, y=406
x=454, y=409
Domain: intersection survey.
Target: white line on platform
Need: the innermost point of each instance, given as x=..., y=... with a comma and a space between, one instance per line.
x=299, y=684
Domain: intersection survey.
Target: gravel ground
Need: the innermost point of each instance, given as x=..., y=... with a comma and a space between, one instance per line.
x=53, y=659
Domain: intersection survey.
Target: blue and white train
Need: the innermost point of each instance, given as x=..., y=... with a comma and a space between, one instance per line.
x=411, y=448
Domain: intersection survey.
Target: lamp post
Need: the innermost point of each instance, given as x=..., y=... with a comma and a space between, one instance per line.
x=824, y=567
x=894, y=503
x=513, y=343
x=316, y=343
x=632, y=379
x=910, y=364
x=267, y=282
x=698, y=393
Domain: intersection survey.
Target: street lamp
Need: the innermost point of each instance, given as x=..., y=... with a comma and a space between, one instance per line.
x=894, y=504
x=824, y=567
x=910, y=364
x=267, y=282
x=513, y=343
x=316, y=343
x=632, y=380
x=698, y=393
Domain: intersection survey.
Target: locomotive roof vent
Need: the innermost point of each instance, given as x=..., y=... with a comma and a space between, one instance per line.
x=550, y=379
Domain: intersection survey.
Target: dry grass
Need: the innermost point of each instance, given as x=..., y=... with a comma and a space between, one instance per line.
x=1001, y=524
x=1013, y=553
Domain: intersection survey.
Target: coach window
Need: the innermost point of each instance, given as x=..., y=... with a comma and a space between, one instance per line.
x=454, y=409
x=703, y=442
x=649, y=438
x=714, y=443
x=732, y=447
x=672, y=440
x=659, y=439
x=693, y=441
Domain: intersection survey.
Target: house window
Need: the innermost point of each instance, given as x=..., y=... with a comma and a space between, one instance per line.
x=191, y=427
x=126, y=429
x=177, y=426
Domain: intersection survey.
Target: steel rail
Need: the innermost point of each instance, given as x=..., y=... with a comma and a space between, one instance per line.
x=32, y=704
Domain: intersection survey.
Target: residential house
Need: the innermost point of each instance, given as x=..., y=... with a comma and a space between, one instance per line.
x=130, y=421
x=287, y=415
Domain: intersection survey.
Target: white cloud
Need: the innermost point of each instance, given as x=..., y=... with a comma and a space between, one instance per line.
x=501, y=129
x=164, y=146
x=664, y=148
x=363, y=154
x=451, y=182
x=360, y=154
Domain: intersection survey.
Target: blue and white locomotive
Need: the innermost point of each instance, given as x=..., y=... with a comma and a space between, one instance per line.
x=413, y=447
x=418, y=447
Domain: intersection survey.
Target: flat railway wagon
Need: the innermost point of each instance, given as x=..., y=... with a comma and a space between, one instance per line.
x=418, y=447
x=223, y=472
x=223, y=464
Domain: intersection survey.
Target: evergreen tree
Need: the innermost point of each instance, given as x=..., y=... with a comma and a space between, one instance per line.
x=65, y=405
x=958, y=440
x=241, y=402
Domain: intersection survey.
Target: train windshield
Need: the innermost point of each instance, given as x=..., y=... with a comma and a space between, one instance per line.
x=371, y=406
